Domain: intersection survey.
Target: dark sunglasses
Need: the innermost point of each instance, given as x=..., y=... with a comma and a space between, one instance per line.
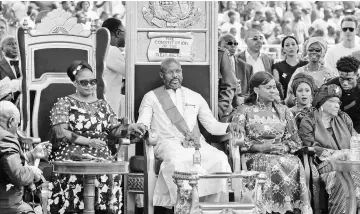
x=232, y=43
x=351, y=29
x=314, y=50
x=84, y=83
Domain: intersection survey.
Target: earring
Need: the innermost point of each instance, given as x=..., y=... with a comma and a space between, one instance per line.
x=257, y=97
x=296, y=101
x=321, y=108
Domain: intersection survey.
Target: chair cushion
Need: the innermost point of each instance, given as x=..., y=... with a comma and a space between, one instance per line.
x=137, y=164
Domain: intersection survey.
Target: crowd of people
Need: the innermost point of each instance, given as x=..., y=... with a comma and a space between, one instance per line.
x=277, y=19
x=20, y=13
x=277, y=107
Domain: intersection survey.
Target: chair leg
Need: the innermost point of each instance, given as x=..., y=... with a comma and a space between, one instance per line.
x=149, y=187
x=45, y=194
x=129, y=198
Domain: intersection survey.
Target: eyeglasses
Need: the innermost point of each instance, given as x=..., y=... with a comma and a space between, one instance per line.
x=335, y=102
x=351, y=29
x=257, y=38
x=232, y=43
x=317, y=50
x=84, y=83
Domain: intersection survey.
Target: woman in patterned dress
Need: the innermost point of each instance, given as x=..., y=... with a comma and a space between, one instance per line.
x=328, y=130
x=270, y=140
x=81, y=124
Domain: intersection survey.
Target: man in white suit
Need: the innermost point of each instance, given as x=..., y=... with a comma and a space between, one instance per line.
x=173, y=102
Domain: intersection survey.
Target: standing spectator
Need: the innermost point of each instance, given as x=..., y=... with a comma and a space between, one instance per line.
x=284, y=70
x=346, y=47
x=269, y=24
x=259, y=16
x=299, y=29
x=10, y=66
x=89, y=14
x=243, y=71
x=338, y=10
x=318, y=11
x=67, y=6
x=3, y=29
x=316, y=48
x=115, y=66
x=325, y=22
x=232, y=6
x=225, y=28
x=253, y=56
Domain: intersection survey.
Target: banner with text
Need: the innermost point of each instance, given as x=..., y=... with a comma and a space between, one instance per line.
x=170, y=45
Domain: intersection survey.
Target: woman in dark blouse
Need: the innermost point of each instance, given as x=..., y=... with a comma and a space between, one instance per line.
x=284, y=70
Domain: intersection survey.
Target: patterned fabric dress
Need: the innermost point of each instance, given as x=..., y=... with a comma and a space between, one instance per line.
x=285, y=189
x=94, y=120
x=326, y=141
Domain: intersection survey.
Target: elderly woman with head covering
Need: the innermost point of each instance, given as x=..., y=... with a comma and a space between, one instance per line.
x=303, y=86
x=328, y=130
x=316, y=48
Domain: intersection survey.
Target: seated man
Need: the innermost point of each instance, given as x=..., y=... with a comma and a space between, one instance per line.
x=14, y=172
x=170, y=102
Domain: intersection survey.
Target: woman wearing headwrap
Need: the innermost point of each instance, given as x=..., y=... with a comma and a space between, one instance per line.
x=328, y=130
x=316, y=48
x=303, y=86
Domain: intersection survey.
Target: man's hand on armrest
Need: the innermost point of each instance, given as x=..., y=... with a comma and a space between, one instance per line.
x=234, y=129
x=137, y=129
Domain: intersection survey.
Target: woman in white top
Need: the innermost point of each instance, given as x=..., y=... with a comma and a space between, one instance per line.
x=316, y=48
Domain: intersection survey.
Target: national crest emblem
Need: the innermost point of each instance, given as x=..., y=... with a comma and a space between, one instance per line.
x=177, y=14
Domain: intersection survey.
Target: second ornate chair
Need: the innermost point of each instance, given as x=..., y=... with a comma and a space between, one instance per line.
x=45, y=53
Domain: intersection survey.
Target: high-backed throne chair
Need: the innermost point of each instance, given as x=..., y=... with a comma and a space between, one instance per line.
x=45, y=53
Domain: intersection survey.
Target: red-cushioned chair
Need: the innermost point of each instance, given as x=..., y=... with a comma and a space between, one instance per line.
x=45, y=53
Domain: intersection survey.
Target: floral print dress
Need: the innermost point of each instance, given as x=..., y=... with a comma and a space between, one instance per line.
x=94, y=120
x=285, y=188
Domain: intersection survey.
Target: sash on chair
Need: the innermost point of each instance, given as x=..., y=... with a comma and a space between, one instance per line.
x=191, y=138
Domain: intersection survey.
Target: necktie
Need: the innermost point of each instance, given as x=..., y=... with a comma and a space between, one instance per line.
x=15, y=63
x=232, y=61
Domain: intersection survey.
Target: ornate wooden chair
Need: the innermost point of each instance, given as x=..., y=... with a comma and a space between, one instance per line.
x=45, y=53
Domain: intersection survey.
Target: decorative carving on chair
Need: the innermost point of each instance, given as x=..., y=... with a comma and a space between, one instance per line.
x=228, y=211
x=136, y=182
x=59, y=22
x=187, y=194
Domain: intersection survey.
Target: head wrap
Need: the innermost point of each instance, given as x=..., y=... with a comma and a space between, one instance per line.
x=5, y=88
x=326, y=92
x=300, y=78
x=323, y=44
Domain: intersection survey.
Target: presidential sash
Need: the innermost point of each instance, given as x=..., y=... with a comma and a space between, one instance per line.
x=192, y=138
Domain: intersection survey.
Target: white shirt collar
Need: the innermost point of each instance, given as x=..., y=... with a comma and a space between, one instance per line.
x=8, y=59
x=247, y=55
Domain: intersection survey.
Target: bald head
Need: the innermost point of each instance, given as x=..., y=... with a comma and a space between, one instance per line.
x=9, y=116
x=9, y=47
x=251, y=33
x=165, y=64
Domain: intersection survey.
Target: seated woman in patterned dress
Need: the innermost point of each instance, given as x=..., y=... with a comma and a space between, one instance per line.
x=328, y=130
x=270, y=140
x=81, y=125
